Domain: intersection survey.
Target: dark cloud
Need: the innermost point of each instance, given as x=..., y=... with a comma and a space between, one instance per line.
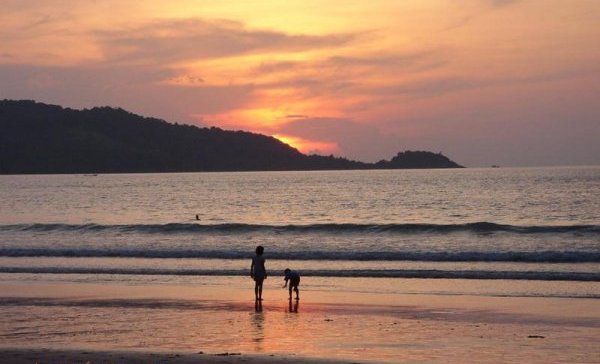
x=399, y=62
x=319, y=85
x=345, y=75
x=276, y=67
x=177, y=40
x=404, y=62
x=490, y=5
x=35, y=25
x=500, y=3
x=432, y=87
x=445, y=85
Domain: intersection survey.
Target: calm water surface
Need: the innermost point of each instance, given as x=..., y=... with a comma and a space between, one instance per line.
x=534, y=196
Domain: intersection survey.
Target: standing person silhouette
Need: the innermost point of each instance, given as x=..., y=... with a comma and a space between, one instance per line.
x=258, y=272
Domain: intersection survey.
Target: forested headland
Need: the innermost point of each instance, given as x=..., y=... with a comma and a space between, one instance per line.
x=40, y=138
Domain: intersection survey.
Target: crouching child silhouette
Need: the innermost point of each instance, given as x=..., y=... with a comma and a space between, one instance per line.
x=294, y=279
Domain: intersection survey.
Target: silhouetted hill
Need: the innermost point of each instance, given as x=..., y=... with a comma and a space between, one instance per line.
x=40, y=138
x=417, y=159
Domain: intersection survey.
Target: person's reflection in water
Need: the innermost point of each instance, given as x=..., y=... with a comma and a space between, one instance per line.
x=258, y=319
x=293, y=306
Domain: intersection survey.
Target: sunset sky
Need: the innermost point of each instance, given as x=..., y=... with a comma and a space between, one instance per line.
x=485, y=82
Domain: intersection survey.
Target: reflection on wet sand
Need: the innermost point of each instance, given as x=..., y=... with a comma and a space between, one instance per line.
x=258, y=306
x=258, y=321
x=293, y=306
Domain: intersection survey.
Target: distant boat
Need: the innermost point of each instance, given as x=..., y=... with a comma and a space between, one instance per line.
x=495, y=166
x=90, y=175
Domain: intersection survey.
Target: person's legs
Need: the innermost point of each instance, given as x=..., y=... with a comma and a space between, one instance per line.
x=290, y=290
x=295, y=283
x=258, y=288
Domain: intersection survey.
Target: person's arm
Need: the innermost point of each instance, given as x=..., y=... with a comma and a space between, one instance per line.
x=252, y=269
x=286, y=281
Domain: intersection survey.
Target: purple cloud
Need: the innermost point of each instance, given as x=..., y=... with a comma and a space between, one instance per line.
x=177, y=40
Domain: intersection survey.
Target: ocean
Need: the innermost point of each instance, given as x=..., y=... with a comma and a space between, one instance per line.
x=536, y=227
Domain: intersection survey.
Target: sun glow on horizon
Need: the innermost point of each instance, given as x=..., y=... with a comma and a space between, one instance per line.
x=309, y=146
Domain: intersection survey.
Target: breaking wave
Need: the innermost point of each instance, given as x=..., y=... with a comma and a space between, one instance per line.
x=548, y=256
x=239, y=228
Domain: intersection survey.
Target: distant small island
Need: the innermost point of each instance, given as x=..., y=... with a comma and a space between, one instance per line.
x=37, y=138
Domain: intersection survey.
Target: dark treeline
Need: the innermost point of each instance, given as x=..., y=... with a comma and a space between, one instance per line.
x=40, y=138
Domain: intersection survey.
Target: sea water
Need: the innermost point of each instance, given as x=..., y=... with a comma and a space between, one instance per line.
x=524, y=225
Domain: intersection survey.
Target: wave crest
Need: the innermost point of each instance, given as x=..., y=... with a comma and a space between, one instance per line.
x=238, y=228
x=548, y=256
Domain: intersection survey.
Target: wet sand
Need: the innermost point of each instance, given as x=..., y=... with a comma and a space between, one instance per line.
x=55, y=356
x=120, y=323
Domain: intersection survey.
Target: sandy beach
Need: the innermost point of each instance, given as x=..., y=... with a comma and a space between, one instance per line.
x=66, y=322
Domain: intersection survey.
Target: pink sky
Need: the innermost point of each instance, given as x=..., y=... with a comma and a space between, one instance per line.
x=505, y=82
